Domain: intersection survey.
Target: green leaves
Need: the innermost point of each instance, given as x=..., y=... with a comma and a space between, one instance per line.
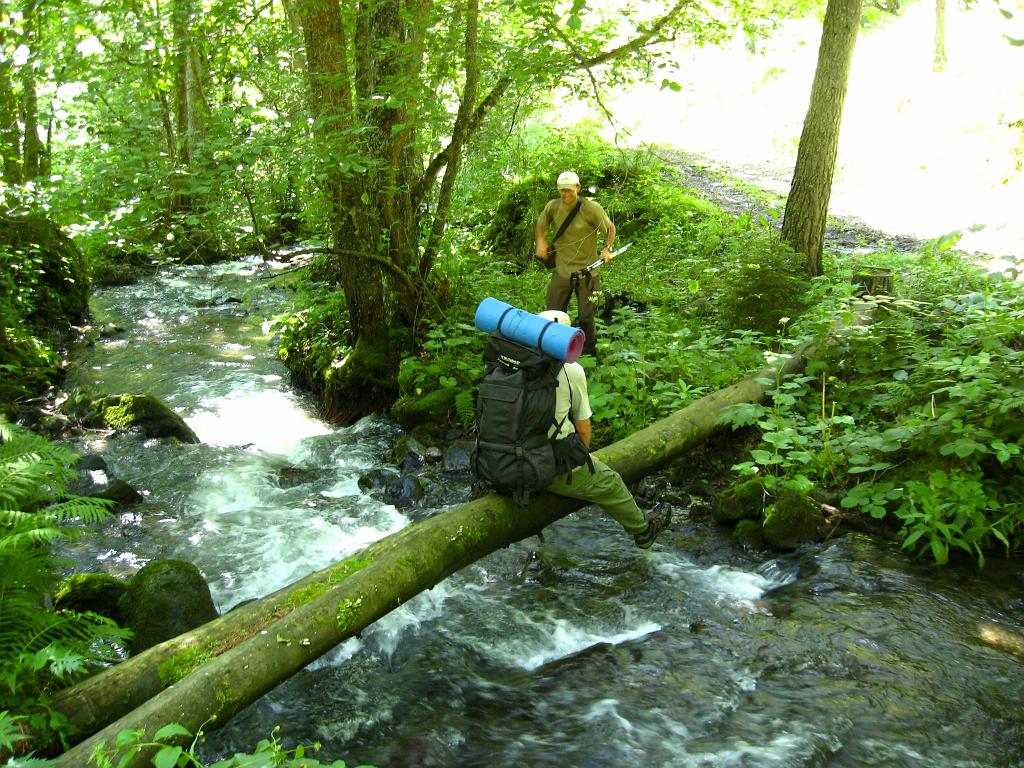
x=924, y=425
x=647, y=372
x=168, y=741
x=872, y=498
x=167, y=757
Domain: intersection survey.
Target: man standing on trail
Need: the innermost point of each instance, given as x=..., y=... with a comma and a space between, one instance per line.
x=577, y=222
x=592, y=480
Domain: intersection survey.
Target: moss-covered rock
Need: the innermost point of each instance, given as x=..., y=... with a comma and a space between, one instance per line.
x=47, y=292
x=793, y=518
x=436, y=407
x=53, y=274
x=144, y=412
x=366, y=383
x=748, y=533
x=740, y=501
x=510, y=234
x=30, y=368
x=96, y=592
x=164, y=599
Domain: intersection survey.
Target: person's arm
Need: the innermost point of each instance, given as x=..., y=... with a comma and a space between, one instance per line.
x=609, y=242
x=542, y=241
x=579, y=401
x=583, y=430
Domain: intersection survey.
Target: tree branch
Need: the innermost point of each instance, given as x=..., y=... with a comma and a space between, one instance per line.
x=636, y=43
x=397, y=271
x=426, y=182
x=460, y=134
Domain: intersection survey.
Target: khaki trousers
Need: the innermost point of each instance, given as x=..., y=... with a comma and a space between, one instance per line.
x=605, y=488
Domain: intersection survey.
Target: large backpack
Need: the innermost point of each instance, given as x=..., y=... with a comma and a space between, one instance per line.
x=515, y=409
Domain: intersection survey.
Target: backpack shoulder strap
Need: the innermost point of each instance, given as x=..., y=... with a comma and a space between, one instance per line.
x=568, y=220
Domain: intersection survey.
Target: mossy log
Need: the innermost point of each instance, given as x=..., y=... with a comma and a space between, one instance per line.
x=247, y=652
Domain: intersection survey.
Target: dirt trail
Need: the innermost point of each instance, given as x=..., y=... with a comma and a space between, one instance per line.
x=717, y=181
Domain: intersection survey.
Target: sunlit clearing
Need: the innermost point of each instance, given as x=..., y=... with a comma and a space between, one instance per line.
x=921, y=153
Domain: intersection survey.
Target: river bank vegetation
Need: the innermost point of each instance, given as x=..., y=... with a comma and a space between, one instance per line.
x=403, y=192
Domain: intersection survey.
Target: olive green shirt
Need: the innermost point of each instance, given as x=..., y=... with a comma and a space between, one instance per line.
x=577, y=247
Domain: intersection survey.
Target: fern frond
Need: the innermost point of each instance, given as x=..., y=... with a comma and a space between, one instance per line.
x=14, y=543
x=26, y=575
x=84, y=634
x=38, y=647
x=465, y=407
x=10, y=731
x=17, y=520
x=31, y=468
x=86, y=509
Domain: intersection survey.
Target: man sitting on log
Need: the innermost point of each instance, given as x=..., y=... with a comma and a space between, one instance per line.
x=595, y=481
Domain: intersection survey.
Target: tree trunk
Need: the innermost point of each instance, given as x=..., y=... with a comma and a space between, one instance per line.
x=939, y=60
x=32, y=147
x=460, y=134
x=806, y=213
x=250, y=651
x=373, y=222
x=195, y=239
x=189, y=100
x=10, y=134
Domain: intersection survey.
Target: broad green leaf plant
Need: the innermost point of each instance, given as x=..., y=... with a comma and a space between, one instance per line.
x=916, y=419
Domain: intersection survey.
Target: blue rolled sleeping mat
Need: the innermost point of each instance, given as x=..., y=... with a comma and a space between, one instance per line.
x=530, y=330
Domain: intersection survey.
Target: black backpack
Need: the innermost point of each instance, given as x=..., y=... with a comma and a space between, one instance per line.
x=515, y=408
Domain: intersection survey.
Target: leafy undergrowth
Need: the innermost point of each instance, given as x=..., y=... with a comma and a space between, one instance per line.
x=909, y=420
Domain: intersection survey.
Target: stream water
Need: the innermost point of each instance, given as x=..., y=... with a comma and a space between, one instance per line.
x=578, y=651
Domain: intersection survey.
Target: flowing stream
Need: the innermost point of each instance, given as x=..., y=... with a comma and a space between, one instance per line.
x=580, y=650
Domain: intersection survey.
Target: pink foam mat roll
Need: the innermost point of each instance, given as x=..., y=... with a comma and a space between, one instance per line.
x=530, y=330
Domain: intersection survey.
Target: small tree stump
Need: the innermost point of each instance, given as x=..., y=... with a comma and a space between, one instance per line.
x=873, y=281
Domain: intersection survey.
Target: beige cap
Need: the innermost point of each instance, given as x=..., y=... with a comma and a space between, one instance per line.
x=568, y=180
x=555, y=316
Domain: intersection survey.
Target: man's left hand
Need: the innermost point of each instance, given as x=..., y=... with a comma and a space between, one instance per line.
x=606, y=255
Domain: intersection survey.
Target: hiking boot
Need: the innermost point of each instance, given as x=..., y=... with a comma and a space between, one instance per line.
x=657, y=521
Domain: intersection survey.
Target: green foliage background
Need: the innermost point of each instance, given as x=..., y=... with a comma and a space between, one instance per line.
x=913, y=420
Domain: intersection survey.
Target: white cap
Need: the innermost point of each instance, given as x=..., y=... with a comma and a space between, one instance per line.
x=568, y=180
x=555, y=316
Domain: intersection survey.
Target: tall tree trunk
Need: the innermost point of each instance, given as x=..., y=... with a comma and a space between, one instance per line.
x=250, y=653
x=32, y=147
x=385, y=223
x=33, y=150
x=806, y=213
x=189, y=100
x=10, y=133
x=460, y=134
x=294, y=16
x=373, y=223
x=939, y=60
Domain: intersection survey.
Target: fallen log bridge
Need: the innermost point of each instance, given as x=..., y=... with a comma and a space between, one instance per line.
x=203, y=678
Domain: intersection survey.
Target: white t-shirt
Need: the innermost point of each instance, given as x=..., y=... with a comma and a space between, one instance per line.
x=571, y=400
